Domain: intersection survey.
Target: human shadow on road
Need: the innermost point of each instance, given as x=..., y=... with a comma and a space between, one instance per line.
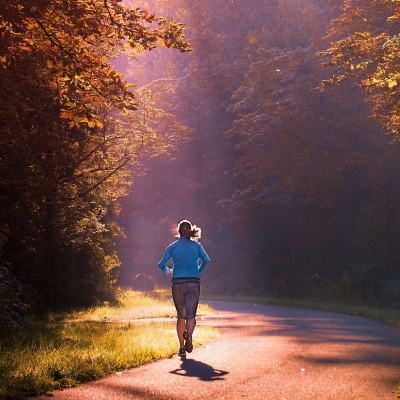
x=198, y=369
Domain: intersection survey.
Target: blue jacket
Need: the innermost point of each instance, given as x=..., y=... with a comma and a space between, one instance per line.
x=188, y=256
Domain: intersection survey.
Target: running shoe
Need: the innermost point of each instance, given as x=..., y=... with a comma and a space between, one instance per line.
x=182, y=352
x=188, y=342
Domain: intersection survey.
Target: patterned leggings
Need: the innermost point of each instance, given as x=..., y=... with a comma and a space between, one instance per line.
x=186, y=295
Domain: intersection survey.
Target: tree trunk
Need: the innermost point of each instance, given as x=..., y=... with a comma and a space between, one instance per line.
x=390, y=234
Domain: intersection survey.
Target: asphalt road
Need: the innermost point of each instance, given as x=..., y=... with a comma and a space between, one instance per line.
x=268, y=353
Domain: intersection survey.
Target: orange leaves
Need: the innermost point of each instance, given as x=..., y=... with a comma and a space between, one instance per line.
x=65, y=141
x=71, y=42
x=396, y=15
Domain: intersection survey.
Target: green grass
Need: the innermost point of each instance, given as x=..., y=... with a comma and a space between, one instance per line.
x=62, y=350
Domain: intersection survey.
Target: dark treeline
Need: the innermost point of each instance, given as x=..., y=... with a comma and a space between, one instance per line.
x=294, y=183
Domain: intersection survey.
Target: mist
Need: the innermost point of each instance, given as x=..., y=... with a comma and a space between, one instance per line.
x=280, y=176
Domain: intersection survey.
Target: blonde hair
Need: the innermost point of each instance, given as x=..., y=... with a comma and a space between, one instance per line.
x=185, y=226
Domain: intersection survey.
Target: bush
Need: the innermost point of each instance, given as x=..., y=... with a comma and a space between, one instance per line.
x=15, y=300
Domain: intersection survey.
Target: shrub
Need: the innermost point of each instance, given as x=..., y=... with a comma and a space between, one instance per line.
x=15, y=300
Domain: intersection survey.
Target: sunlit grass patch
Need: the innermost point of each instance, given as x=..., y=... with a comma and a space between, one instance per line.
x=135, y=305
x=63, y=350
x=132, y=306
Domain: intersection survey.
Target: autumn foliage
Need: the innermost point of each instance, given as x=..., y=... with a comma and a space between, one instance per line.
x=68, y=138
x=367, y=49
x=292, y=169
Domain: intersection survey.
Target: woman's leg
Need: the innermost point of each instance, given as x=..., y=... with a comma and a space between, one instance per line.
x=190, y=325
x=178, y=295
x=186, y=300
x=182, y=326
x=180, y=329
x=191, y=303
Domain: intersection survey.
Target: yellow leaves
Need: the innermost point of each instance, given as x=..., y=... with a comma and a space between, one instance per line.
x=391, y=83
x=66, y=114
x=79, y=123
x=31, y=25
x=73, y=124
x=376, y=81
x=50, y=64
x=362, y=35
x=70, y=44
x=385, y=82
x=135, y=46
x=3, y=61
x=358, y=66
x=95, y=122
x=396, y=16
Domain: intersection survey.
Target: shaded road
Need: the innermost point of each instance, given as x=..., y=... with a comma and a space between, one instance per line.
x=268, y=353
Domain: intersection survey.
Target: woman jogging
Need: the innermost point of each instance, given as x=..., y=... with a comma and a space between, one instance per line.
x=189, y=260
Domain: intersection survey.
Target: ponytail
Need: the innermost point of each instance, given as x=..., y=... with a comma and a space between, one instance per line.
x=195, y=233
x=185, y=228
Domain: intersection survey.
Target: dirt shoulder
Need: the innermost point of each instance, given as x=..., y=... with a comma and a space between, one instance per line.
x=268, y=353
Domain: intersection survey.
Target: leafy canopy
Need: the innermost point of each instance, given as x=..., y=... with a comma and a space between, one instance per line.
x=368, y=50
x=74, y=41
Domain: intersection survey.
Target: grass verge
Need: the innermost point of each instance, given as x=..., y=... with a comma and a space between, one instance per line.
x=63, y=350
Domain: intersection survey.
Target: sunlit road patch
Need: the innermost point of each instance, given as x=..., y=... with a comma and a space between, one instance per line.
x=268, y=352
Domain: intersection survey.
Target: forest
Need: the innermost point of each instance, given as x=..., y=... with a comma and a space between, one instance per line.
x=271, y=124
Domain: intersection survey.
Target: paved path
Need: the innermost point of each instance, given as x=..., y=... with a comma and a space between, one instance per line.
x=268, y=353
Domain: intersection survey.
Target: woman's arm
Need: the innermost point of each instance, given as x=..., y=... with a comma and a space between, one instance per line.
x=163, y=262
x=204, y=259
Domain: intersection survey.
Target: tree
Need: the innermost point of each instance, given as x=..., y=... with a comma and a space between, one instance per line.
x=67, y=140
x=366, y=49
x=309, y=170
x=73, y=41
